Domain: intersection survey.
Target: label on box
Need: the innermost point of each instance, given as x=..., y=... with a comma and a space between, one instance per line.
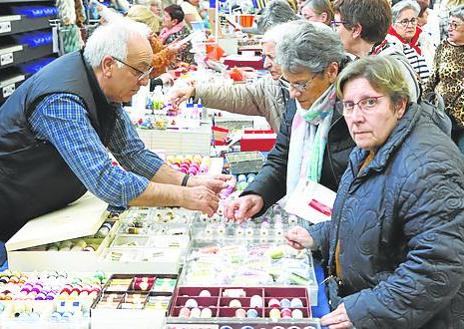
x=311, y=201
x=6, y=59
x=5, y=27
x=8, y=90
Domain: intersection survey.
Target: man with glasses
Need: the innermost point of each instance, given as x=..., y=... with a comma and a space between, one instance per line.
x=56, y=128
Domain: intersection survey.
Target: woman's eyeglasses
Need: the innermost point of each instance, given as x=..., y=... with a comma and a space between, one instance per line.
x=366, y=105
x=405, y=22
x=454, y=25
x=141, y=75
x=298, y=86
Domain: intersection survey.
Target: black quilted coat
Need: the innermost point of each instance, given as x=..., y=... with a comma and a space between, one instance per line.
x=401, y=231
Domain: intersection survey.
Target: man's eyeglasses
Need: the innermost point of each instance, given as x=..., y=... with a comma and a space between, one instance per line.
x=141, y=75
x=454, y=25
x=366, y=105
x=405, y=22
x=299, y=86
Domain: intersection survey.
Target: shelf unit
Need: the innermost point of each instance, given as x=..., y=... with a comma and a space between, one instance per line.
x=14, y=53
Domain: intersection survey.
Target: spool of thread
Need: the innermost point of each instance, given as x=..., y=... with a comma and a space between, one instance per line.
x=184, y=313
x=296, y=302
x=252, y=313
x=286, y=313
x=190, y=303
x=297, y=314
x=195, y=313
x=206, y=313
x=256, y=301
x=240, y=313
x=235, y=303
x=285, y=302
x=205, y=293
x=274, y=314
x=273, y=302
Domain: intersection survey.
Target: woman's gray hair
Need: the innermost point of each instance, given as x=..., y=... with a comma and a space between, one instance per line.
x=275, y=34
x=308, y=46
x=402, y=5
x=111, y=39
x=457, y=12
x=276, y=12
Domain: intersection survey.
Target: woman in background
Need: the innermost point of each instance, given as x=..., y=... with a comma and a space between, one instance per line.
x=318, y=11
x=447, y=78
x=174, y=28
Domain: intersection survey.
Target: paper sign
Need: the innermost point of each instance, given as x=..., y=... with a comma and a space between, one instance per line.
x=311, y=201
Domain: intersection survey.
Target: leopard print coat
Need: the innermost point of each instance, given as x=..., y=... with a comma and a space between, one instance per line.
x=447, y=79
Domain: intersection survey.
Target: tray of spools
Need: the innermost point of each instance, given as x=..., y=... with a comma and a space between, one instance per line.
x=254, y=253
x=239, y=307
x=84, y=236
x=48, y=299
x=133, y=301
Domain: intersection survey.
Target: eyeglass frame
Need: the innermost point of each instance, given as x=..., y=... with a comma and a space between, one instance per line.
x=335, y=24
x=340, y=105
x=300, y=87
x=405, y=22
x=454, y=26
x=142, y=75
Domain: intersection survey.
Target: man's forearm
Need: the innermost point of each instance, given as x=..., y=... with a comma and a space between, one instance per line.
x=167, y=175
x=159, y=194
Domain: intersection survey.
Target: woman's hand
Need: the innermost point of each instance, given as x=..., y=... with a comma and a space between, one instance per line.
x=299, y=238
x=337, y=319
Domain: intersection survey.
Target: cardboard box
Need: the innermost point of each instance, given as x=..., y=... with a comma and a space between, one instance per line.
x=81, y=219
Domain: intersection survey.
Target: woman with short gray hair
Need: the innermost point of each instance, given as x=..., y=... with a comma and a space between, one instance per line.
x=313, y=143
x=405, y=35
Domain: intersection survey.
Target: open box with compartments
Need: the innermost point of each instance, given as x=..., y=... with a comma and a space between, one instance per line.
x=85, y=237
x=133, y=301
x=237, y=307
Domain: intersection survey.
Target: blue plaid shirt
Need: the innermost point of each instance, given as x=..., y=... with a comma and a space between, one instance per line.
x=62, y=120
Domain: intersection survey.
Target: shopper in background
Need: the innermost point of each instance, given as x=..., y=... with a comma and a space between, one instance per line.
x=447, y=78
x=57, y=127
x=144, y=15
x=276, y=12
x=407, y=37
x=395, y=242
x=156, y=7
x=362, y=25
x=175, y=29
x=313, y=142
x=429, y=23
x=318, y=11
x=266, y=97
x=191, y=11
x=443, y=13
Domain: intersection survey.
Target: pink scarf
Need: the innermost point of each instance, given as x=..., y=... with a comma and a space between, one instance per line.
x=165, y=32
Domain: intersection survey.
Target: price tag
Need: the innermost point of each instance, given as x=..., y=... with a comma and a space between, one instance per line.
x=6, y=59
x=8, y=90
x=5, y=27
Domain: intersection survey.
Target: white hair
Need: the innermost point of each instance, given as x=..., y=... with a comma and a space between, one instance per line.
x=398, y=8
x=111, y=39
x=276, y=33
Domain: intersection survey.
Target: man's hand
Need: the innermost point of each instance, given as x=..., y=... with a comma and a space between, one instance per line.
x=177, y=96
x=167, y=79
x=299, y=238
x=214, y=183
x=200, y=198
x=337, y=319
x=244, y=207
